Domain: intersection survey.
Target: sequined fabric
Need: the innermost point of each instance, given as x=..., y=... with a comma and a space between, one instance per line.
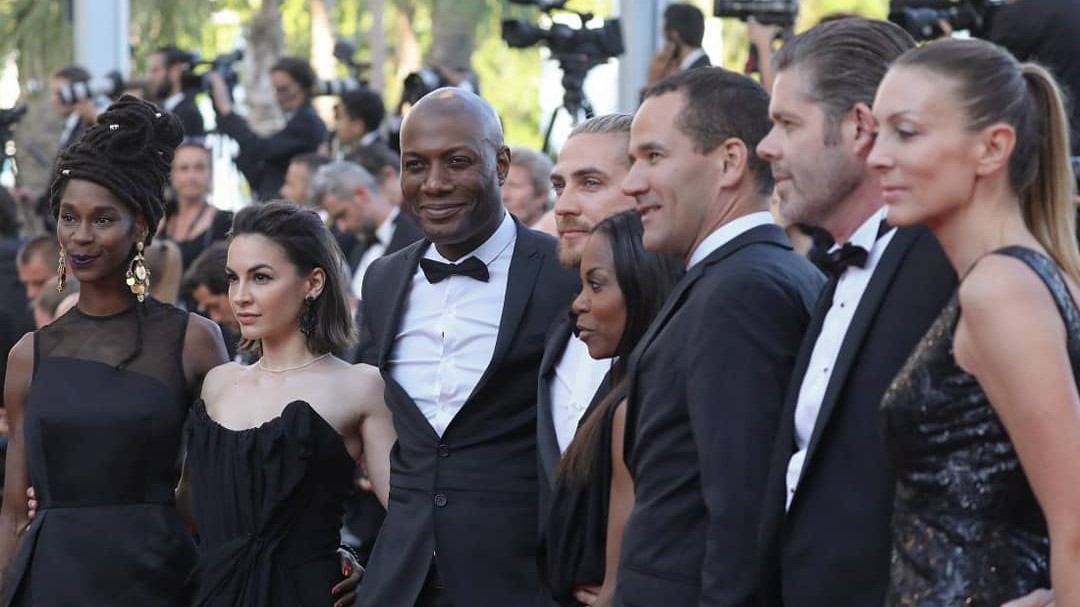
x=967, y=530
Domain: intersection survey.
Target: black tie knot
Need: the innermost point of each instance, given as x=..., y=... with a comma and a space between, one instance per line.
x=841, y=259
x=437, y=271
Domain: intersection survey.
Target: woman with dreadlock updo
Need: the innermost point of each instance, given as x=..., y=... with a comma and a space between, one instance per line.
x=97, y=400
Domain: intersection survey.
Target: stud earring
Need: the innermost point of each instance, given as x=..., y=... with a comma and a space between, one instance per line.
x=138, y=275
x=61, y=272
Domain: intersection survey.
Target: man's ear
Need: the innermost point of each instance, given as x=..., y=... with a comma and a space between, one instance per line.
x=733, y=161
x=502, y=163
x=865, y=128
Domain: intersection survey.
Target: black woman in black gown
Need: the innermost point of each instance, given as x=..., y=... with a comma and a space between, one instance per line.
x=96, y=401
x=623, y=288
x=983, y=422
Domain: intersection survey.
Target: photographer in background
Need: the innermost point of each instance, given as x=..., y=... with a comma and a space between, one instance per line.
x=357, y=120
x=165, y=78
x=683, y=31
x=1045, y=31
x=264, y=160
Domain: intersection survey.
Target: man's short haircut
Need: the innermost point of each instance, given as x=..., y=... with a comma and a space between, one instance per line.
x=299, y=70
x=208, y=270
x=44, y=247
x=312, y=160
x=608, y=124
x=538, y=165
x=686, y=20
x=375, y=158
x=364, y=104
x=843, y=62
x=174, y=56
x=718, y=105
x=342, y=178
x=72, y=73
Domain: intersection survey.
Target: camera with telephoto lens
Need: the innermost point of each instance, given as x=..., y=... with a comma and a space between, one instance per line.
x=922, y=18
x=767, y=12
x=597, y=44
x=344, y=52
x=111, y=86
x=195, y=80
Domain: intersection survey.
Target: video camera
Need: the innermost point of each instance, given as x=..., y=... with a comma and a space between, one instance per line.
x=344, y=52
x=195, y=78
x=597, y=45
x=9, y=117
x=921, y=18
x=112, y=85
x=767, y=12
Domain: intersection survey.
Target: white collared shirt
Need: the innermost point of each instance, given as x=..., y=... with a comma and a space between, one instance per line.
x=383, y=234
x=170, y=104
x=690, y=59
x=70, y=123
x=577, y=378
x=727, y=233
x=849, y=291
x=448, y=330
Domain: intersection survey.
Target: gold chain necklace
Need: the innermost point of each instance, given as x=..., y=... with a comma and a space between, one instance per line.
x=287, y=369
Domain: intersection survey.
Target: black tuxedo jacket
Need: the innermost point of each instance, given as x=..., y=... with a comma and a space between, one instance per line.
x=706, y=387
x=547, y=442
x=469, y=497
x=702, y=61
x=264, y=160
x=406, y=232
x=832, y=547
x=188, y=113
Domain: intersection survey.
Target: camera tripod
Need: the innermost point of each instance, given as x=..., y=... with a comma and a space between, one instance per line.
x=575, y=102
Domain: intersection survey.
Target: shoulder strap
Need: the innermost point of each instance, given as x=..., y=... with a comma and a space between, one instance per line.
x=1050, y=274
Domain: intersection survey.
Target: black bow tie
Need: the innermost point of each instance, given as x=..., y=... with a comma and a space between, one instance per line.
x=437, y=271
x=836, y=262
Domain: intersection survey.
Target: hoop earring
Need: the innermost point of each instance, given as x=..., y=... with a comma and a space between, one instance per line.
x=307, y=317
x=138, y=275
x=61, y=272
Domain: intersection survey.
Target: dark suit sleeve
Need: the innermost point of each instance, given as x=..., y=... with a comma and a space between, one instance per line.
x=367, y=350
x=190, y=117
x=301, y=134
x=742, y=343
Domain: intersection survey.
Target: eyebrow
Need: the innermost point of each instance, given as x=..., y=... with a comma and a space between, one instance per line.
x=97, y=209
x=252, y=268
x=583, y=172
x=648, y=146
x=595, y=270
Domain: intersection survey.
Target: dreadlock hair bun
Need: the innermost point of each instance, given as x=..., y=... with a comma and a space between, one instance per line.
x=129, y=152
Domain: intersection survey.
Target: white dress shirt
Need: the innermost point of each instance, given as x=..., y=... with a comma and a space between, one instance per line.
x=577, y=377
x=448, y=330
x=383, y=234
x=727, y=233
x=849, y=291
x=70, y=123
x=690, y=59
x=173, y=101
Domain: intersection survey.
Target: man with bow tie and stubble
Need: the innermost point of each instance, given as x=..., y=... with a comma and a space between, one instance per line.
x=458, y=322
x=825, y=528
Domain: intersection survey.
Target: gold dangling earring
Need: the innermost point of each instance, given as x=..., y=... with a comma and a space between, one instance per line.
x=138, y=276
x=61, y=273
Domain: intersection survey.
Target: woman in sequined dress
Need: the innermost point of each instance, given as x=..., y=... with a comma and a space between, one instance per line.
x=983, y=422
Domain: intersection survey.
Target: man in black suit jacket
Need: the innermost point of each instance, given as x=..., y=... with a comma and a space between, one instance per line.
x=825, y=528
x=458, y=322
x=683, y=32
x=165, y=78
x=587, y=180
x=264, y=160
x=706, y=381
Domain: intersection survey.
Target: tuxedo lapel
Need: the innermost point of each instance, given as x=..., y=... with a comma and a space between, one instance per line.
x=860, y=324
x=398, y=290
x=525, y=265
x=547, y=439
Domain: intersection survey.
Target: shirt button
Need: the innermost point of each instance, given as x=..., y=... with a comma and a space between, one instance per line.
x=444, y=451
x=440, y=500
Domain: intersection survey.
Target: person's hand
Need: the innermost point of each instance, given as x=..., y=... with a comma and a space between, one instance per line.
x=219, y=93
x=344, y=593
x=31, y=503
x=587, y=595
x=946, y=28
x=761, y=35
x=664, y=63
x=1040, y=598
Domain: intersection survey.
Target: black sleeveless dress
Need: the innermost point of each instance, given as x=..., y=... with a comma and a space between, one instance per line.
x=268, y=503
x=967, y=529
x=102, y=438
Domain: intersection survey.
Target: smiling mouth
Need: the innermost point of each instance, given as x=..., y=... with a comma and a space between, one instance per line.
x=82, y=260
x=441, y=211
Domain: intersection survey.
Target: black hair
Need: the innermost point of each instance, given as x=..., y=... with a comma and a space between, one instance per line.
x=687, y=21
x=72, y=73
x=312, y=160
x=300, y=71
x=645, y=279
x=717, y=105
x=128, y=152
x=308, y=244
x=9, y=216
x=208, y=270
x=174, y=56
x=374, y=158
x=364, y=104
